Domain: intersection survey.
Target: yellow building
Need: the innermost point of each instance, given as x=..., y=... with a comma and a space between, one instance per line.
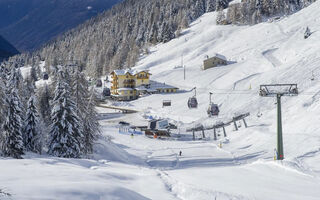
x=124, y=83
x=126, y=94
x=142, y=78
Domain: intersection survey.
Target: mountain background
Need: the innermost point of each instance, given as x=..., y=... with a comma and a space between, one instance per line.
x=6, y=49
x=119, y=37
x=29, y=24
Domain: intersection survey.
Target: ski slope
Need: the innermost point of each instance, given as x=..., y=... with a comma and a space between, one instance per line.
x=240, y=166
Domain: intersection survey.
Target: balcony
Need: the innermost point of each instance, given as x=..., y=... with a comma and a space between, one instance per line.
x=129, y=81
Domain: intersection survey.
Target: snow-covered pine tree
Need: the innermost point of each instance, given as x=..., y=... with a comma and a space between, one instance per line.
x=85, y=103
x=32, y=132
x=33, y=74
x=210, y=5
x=15, y=80
x=44, y=97
x=221, y=4
x=12, y=127
x=198, y=9
x=3, y=96
x=66, y=135
x=91, y=127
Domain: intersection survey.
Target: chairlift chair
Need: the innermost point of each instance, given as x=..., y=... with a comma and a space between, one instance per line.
x=192, y=101
x=263, y=93
x=213, y=109
x=294, y=91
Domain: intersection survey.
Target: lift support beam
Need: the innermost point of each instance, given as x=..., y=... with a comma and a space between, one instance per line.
x=279, y=90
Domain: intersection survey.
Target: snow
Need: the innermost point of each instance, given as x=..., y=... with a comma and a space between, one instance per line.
x=25, y=71
x=240, y=166
x=222, y=57
x=125, y=89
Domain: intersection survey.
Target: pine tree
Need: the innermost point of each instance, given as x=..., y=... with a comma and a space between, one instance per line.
x=44, y=97
x=12, y=127
x=32, y=132
x=66, y=135
x=91, y=125
x=33, y=74
x=210, y=5
x=221, y=4
x=85, y=103
x=3, y=96
x=198, y=9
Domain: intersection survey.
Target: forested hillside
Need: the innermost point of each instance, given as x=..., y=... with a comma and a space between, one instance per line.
x=256, y=11
x=29, y=24
x=118, y=37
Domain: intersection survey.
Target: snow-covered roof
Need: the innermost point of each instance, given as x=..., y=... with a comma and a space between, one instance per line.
x=216, y=55
x=125, y=89
x=235, y=2
x=123, y=71
x=132, y=72
x=141, y=88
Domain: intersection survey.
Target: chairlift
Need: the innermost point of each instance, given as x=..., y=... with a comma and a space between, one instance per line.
x=193, y=102
x=294, y=91
x=213, y=109
x=263, y=93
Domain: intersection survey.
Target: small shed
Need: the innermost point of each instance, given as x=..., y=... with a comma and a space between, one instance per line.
x=216, y=60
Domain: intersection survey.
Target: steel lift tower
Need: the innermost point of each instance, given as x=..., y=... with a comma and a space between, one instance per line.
x=279, y=90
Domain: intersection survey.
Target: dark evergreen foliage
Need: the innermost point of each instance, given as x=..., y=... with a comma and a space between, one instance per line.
x=255, y=11
x=12, y=127
x=85, y=103
x=116, y=38
x=66, y=135
x=32, y=132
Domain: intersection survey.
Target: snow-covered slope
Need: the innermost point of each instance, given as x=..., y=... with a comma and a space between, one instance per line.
x=240, y=166
x=264, y=53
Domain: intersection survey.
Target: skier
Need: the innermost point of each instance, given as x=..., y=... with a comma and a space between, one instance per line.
x=180, y=153
x=132, y=135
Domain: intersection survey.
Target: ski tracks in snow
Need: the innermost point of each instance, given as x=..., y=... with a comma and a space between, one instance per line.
x=187, y=191
x=268, y=54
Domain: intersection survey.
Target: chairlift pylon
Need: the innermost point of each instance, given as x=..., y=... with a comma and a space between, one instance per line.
x=213, y=109
x=192, y=101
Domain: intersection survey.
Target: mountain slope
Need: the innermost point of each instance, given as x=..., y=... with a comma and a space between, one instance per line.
x=29, y=24
x=6, y=49
x=240, y=166
x=116, y=38
x=267, y=53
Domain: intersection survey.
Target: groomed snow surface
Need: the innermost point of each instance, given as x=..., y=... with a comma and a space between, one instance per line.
x=243, y=167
